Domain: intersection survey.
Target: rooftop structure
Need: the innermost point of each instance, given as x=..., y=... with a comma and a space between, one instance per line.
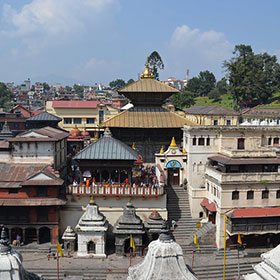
x=42, y=119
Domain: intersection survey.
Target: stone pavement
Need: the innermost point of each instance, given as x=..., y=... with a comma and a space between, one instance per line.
x=206, y=266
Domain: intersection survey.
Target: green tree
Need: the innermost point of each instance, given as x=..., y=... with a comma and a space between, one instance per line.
x=130, y=81
x=182, y=99
x=5, y=97
x=155, y=64
x=79, y=90
x=203, y=84
x=46, y=86
x=252, y=76
x=117, y=84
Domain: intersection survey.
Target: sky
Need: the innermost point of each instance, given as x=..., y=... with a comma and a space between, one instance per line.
x=97, y=41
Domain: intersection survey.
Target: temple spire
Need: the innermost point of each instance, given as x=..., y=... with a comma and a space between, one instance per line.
x=147, y=74
x=173, y=143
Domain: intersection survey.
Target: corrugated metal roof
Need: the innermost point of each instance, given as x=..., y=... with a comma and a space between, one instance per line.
x=44, y=116
x=210, y=110
x=76, y=103
x=107, y=148
x=254, y=212
x=148, y=85
x=146, y=117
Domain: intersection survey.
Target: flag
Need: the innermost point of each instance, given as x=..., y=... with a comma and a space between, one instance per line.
x=239, y=239
x=59, y=249
x=195, y=240
x=132, y=245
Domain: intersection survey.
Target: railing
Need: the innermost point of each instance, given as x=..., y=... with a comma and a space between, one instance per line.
x=256, y=227
x=115, y=190
x=260, y=152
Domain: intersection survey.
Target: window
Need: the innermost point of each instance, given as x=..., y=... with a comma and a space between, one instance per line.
x=42, y=191
x=265, y=194
x=194, y=141
x=42, y=214
x=90, y=120
x=101, y=116
x=269, y=141
x=207, y=186
x=77, y=120
x=278, y=194
x=250, y=194
x=67, y=120
x=240, y=143
x=16, y=126
x=11, y=191
x=208, y=141
x=276, y=141
x=228, y=122
x=201, y=141
x=235, y=195
x=215, y=122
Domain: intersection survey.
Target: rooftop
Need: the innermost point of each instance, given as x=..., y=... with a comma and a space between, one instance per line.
x=44, y=116
x=210, y=110
x=72, y=104
x=254, y=212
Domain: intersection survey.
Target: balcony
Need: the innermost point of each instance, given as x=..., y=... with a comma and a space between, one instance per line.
x=115, y=190
x=261, y=177
x=261, y=152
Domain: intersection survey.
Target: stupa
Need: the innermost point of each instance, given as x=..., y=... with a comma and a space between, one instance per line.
x=129, y=224
x=164, y=261
x=153, y=225
x=269, y=268
x=11, y=262
x=5, y=132
x=69, y=239
x=91, y=230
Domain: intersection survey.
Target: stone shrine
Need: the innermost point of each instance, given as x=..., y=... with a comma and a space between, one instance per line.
x=269, y=268
x=129, y=224
x=69, y=240
x=91, y=230
x=153, y=225
x=11, y=262
x=164, y=261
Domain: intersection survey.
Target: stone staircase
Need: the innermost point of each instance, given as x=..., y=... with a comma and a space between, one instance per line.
x=179, y=210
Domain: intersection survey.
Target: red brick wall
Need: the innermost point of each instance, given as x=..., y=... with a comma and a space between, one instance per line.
x=33, y=215
x=54, y=234
x=53, y=215
x=4, y=193
x=52, y=191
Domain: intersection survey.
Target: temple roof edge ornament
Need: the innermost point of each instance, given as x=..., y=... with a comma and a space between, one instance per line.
x=173, y=143
x=147, y=74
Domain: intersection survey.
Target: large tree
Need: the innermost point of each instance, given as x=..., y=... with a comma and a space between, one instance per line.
x=203, y=84
x=252, y=76
x=182, y=99
x=5, y=97
x=79, y=90
x=155, y=64
x=117, y=84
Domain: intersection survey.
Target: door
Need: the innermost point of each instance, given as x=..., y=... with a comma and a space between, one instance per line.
x=173, y=176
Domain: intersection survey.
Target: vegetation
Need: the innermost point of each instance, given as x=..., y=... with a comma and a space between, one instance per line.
x=5, y=97
x=155, y=64
x=79, y=90
x=183, y=99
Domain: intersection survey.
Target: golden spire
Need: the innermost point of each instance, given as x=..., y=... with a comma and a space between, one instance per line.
x=95, y=138
x=161, y=150
x=133, y=146
x=147, y=73
x=6, y=122
x=91, y=200
x=184, y=151
x=173, y=143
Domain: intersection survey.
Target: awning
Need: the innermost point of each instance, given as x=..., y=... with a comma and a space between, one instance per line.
x=210, y=206
x=32, y=202
x=254, y=212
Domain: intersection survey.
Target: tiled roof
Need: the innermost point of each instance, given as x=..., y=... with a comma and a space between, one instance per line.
x=210, y=110
x=254, y=212
x=210, y=206
x=147, y=85
x=262, y=112
x=107, y=148
x=44, y=116
x=147, y=118
x=75, y=104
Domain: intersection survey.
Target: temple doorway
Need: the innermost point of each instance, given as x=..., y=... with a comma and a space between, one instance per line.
x=16, y=231
x=127, y=245
x=44, y=235
x=30, y=235
x=173, y=176
x=91, y=247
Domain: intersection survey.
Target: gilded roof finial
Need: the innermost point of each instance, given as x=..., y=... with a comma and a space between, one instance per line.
x=91, y=200
x=161, y=150
x=133, y=146
x=6, y=122
x=147, y=73
x=184, y=151
x=173, y=143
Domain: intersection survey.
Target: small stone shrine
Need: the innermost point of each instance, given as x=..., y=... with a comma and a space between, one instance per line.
x=11, y=262
x=269, y=268
x=153, y=225
x=6, y=132
x=69, y=240
x=91, y=230
x=129, y=224
x=164, y=261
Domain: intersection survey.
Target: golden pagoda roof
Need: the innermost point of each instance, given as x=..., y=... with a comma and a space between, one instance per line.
x=148, y=85
x=147, y=118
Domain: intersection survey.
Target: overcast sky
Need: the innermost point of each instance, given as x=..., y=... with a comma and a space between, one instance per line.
x=96, y=41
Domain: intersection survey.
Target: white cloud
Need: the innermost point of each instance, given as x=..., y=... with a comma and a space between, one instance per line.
x=42, y=21
x=192, y=48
